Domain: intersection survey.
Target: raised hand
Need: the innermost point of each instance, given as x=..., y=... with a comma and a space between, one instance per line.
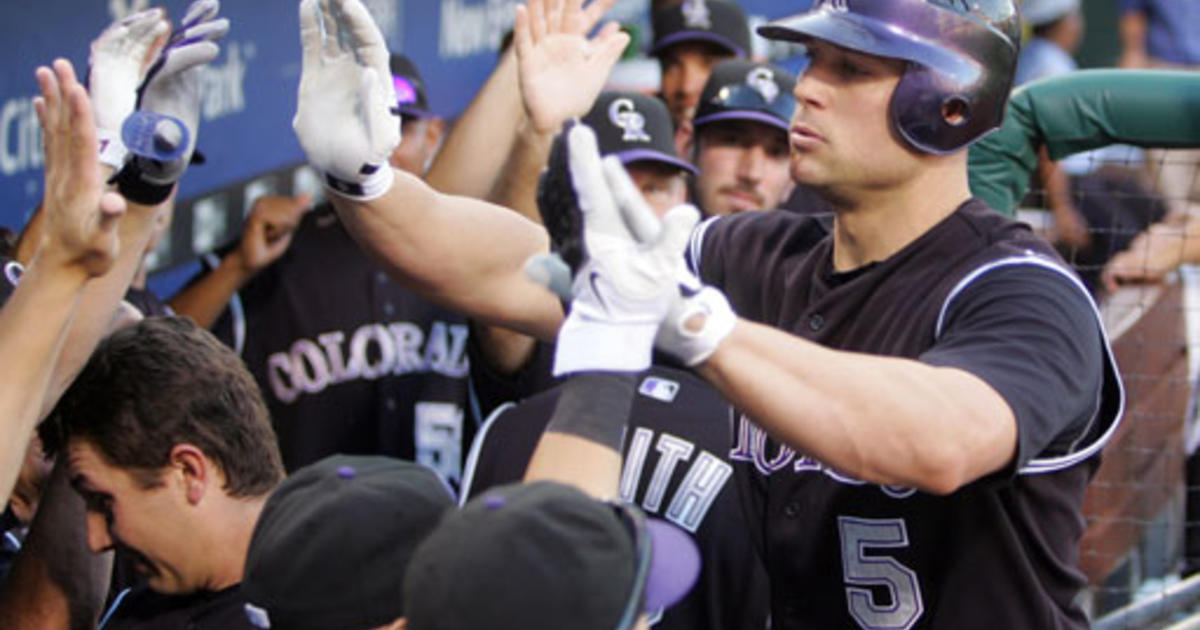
x=561, y=69
x=174, y=88
x=629, y=278
x=346, y=115
x=81, y=217
x=268, y=230
x=118, y=62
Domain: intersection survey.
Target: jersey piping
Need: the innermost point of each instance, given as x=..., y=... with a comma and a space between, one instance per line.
x=476, y=447
x=1039, y=465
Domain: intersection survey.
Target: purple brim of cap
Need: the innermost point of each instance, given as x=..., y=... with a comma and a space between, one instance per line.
x=691, y=36
x=641, y=155
x=414, y=112
x=766, y=119
x=674, y=567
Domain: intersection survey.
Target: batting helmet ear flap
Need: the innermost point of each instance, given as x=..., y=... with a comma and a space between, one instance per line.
x=936, y=118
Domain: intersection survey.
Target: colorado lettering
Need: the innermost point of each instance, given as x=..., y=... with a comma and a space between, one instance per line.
x=371, y=352
x=752, y=446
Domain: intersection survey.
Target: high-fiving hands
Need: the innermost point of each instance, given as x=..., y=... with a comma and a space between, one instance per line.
x=561, y=69
x=81, y=217
x=174, y=88
x=346, y=120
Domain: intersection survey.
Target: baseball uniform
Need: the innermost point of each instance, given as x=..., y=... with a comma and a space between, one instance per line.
x=675, y=468
x=976, y=292
x=349, y=361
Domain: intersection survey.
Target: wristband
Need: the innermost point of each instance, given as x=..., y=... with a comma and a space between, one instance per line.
x=595, y=406
x=133, y=187
x=377, y=181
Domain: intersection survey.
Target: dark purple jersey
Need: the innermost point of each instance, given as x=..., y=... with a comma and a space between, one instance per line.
x=675, y=468
x=349, y=361
x=976, y=292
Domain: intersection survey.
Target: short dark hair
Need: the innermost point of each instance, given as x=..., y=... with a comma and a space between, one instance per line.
x=164, y=382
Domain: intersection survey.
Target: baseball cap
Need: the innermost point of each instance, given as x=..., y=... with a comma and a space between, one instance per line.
x=1041, y=12
x=333, y=540
x=545, y=555
x=739, y=89
x=411, y=95
x=635, y=128
x=715, y=21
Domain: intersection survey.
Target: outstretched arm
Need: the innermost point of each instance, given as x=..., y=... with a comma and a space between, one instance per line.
x=266, y=235
x=491, y=120
x=79, y=242
x=561, y=72
x=1079, y=112
x=464, y=253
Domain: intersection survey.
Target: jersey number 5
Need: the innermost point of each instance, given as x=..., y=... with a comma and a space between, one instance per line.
x=903, y=607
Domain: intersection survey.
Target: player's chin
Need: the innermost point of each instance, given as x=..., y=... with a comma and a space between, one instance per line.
x=805, y=170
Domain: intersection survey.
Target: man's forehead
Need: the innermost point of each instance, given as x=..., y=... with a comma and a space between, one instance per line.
x=694, y=47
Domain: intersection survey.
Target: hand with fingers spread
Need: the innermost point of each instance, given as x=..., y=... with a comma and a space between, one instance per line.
x=81, y=217
x=173, y=89
x=561, y=69
x=118, y=62
x=628, y=279
x=346, y=115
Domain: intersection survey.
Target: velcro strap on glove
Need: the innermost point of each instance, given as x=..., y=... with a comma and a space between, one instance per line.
x=696, y=325
x=376, y=181
x=112, y=150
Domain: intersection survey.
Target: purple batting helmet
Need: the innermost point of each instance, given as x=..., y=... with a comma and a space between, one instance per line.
x=961, y=54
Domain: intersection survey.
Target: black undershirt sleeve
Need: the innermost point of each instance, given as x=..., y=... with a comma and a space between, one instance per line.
x=1032, y=335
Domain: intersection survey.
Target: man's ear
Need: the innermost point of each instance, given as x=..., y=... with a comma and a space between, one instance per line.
x=435, y=131
x=194, y=469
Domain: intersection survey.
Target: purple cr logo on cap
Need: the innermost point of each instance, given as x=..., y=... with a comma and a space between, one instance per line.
x=406, y=93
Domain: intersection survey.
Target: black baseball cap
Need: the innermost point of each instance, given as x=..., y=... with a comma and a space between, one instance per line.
x=740, y=89
x=635, y=128
x=411, y=96
x=714, y=21
x=545, y=555
x=334, y=539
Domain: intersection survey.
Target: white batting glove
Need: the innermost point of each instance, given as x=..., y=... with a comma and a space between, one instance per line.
x=699, y=319
x=116, y=65
x=173, y=89
x=346, y=120
x=627, y=283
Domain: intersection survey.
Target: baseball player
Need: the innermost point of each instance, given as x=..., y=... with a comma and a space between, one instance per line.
x=674, y=466
x=931, y=375
x=740, y=144
x=691, y=37
x=350, y=361
x=169, y=443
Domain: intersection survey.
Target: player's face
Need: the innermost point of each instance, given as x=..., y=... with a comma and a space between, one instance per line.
x=663, y=186
x=146, y=523
x=841, y=138
x=743, y=166
x=420, y=140
x=685, y=69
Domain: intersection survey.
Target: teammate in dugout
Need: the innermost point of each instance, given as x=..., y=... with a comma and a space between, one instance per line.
x=676, y=465
x=930, y=374
x=350, y=361
x=689, y=39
